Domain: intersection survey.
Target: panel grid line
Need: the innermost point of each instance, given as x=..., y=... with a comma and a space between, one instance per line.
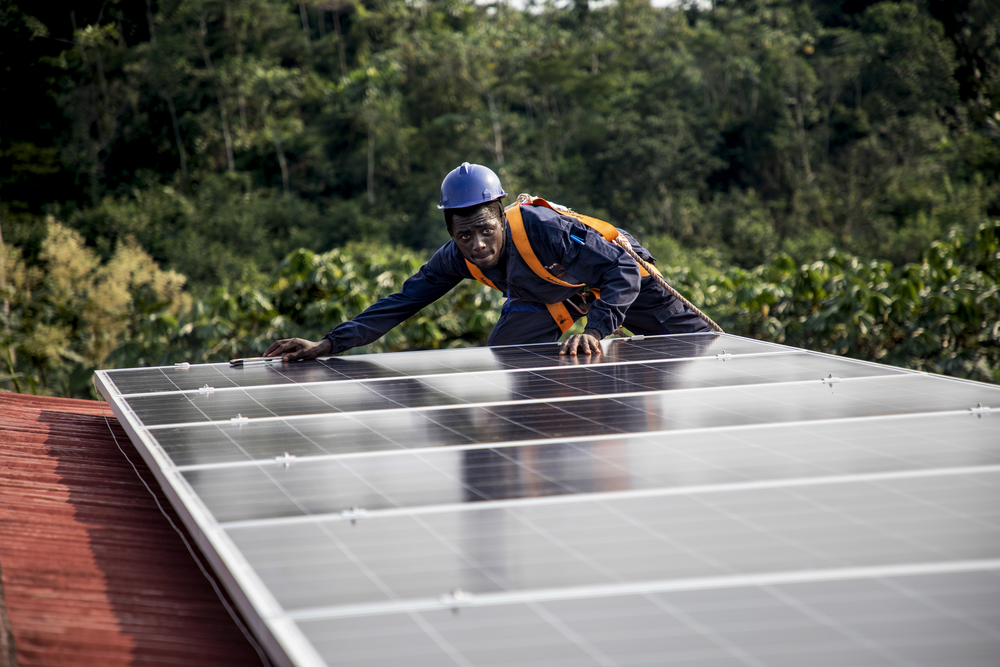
x=654, y=587
x=582, y=438
x=595, y=367
x=786, y=483
x=546, y=402
x=668, y=504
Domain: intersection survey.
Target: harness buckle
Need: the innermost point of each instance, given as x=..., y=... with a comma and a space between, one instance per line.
x=580, y=302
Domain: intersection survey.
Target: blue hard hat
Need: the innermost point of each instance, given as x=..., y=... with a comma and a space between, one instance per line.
x=468, y=185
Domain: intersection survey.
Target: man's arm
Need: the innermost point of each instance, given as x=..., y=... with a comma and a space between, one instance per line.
x=605, y=266
x=430, y=283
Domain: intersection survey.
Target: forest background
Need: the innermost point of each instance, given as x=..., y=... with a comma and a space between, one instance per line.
x=187, y=180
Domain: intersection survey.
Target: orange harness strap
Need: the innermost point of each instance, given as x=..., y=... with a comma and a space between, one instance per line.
x=608, y=231
x=560, y=314
x=478, y=275
x=558, y=311
x=524, y=247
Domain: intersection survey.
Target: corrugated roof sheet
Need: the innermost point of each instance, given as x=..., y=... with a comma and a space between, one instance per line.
x=92, y=571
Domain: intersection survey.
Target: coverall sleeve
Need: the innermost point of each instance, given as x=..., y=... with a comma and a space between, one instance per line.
x=602, y=265
x=430, y=283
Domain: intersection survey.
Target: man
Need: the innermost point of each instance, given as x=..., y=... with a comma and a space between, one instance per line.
x=541, y=256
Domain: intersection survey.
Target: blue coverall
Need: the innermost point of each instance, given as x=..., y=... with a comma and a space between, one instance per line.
x=569, y=250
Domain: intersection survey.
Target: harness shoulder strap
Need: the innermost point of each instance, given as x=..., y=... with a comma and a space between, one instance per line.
x=607, y=231
x=558, y=311
x=524, y=248
x=478, y=275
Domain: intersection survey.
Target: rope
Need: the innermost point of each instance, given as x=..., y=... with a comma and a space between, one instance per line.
x=627, y=247
x=621, y=241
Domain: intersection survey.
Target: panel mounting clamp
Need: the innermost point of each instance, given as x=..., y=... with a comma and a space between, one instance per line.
x=206, y=390
x=239, y=420
x=182, y=365
x=725, y=356
x=980, y=410
x=830, y=379
x=286, y=458
x=354, y=514
x=456, y=598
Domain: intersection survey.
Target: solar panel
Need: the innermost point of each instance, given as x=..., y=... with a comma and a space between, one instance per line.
x=698, y=499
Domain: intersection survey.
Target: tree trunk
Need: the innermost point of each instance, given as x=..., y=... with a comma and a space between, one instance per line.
x=547, y=152
x=497, y=128
x=800, y=124
x=282, y=162
x=371, y=167
x=92, y=151
x=177, y=137
x=340, y=44
x=239, y=84
x=305, y=19
x=226, y=135
x=170, y=103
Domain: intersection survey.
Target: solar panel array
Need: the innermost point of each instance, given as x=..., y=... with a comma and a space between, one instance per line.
x=695, y=500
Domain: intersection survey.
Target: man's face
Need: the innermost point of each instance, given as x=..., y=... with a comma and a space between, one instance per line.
x=480, y=236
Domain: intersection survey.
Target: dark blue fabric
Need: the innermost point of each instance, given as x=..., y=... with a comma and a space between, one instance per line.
x=521, y=307
x=595, y=262
x=523, y=322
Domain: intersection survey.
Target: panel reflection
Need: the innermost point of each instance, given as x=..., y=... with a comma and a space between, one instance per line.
x=568, y=467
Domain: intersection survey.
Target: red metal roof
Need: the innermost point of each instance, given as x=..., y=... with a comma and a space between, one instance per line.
x=92, y=571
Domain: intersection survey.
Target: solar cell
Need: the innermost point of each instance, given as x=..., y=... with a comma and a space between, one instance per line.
x=581, y=542
x=911, y=620
x=697, y=499
x=566, y=419
x=472, y=388
x=184, y=376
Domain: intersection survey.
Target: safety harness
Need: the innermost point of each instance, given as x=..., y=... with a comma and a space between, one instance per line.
x=558, y=311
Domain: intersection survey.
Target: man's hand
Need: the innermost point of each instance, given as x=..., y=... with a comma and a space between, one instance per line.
x=298, y=349
x=589, y=342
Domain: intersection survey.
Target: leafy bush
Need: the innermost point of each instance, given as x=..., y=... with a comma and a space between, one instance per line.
x=76, y=313
x=72, y=312
x=311, y=293
x=939, y=314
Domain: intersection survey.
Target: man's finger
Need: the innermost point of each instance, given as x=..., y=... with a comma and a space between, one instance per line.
x=301, y=353
x=570, y=345
x=585, y=344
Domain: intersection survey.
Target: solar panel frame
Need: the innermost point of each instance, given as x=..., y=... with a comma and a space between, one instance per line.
x=280, y=630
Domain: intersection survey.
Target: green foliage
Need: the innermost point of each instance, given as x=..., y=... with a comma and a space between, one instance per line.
x=215, y=234
x=243, y=145
x=939, y=314
x=755, y=127
x=311, y=293
x=70, y=312
x=75, y=313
